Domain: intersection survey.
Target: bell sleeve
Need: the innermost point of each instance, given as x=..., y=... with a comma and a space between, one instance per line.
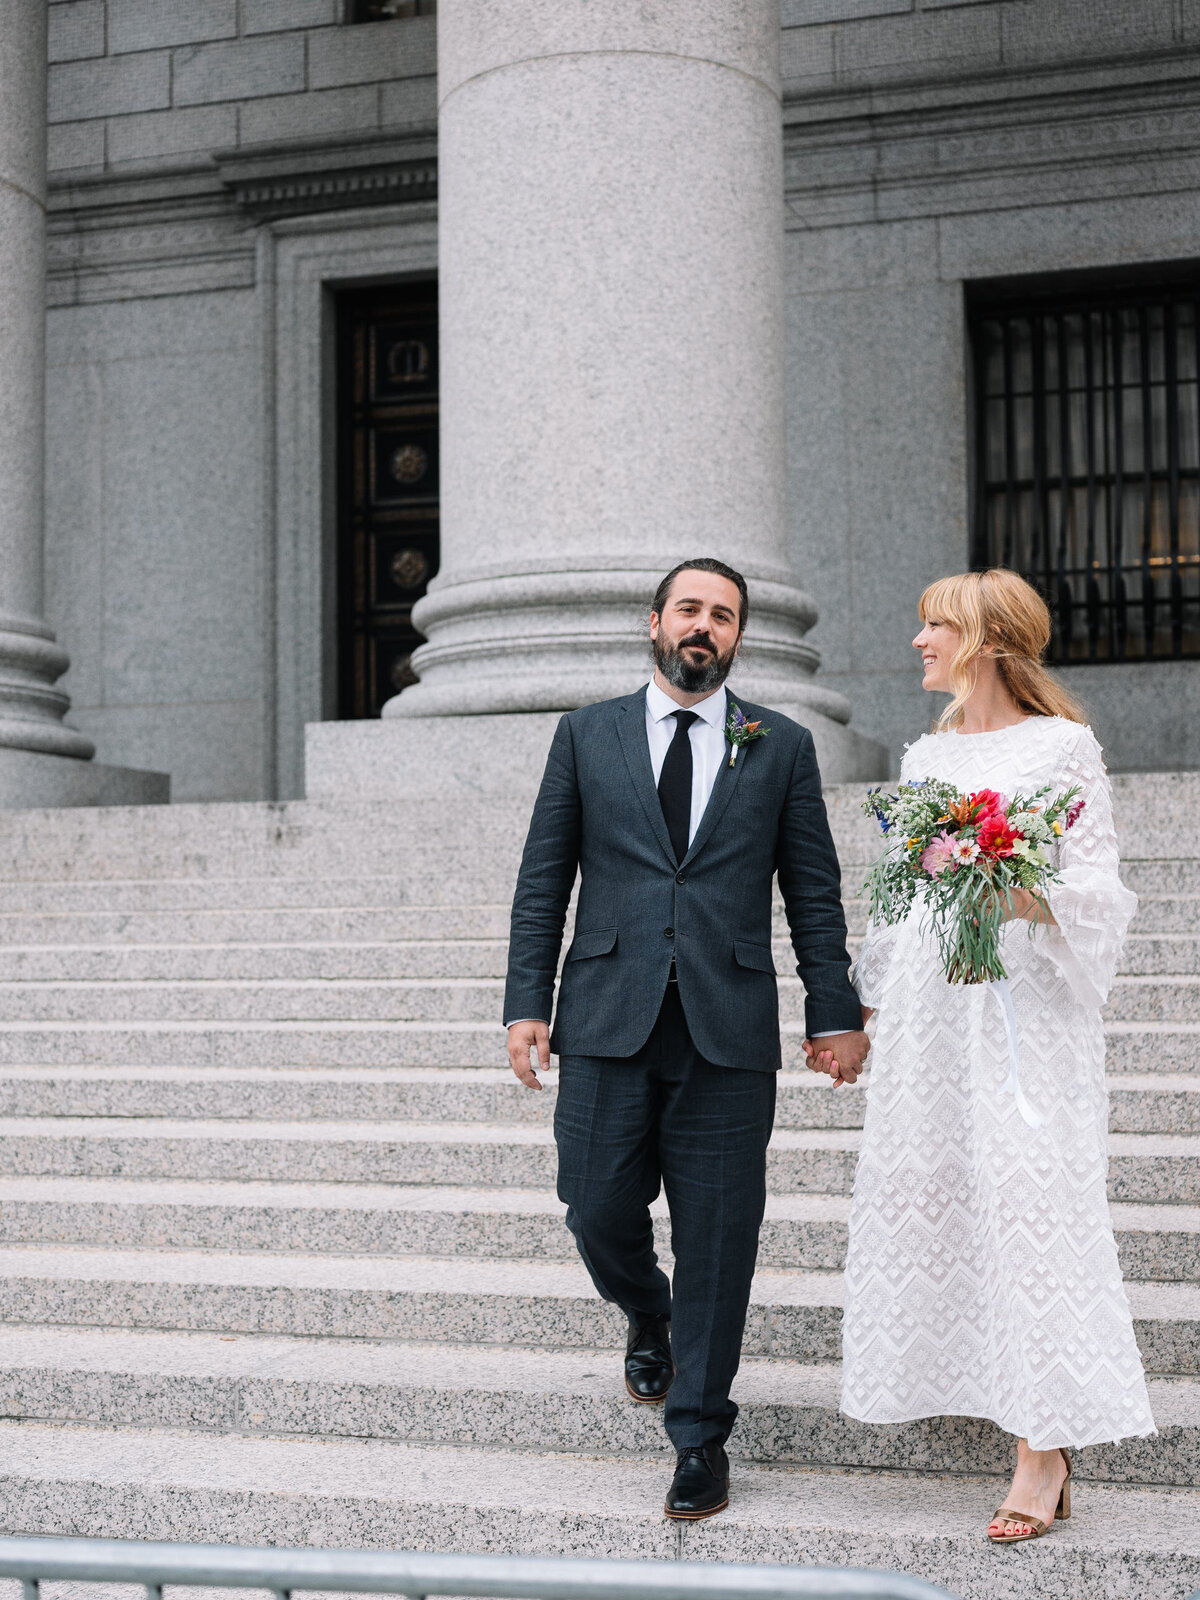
x=1092, y=908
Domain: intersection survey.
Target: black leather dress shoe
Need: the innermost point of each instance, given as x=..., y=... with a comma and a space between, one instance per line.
x=648, y=1365
x=700, y=1486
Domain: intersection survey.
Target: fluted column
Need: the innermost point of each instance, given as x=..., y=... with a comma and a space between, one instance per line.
x=611, y=293
x=31, y=708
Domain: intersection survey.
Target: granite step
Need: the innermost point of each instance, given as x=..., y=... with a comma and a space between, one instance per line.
x=1147, y=1168
x=1154, y=999
x=1138, y=1103
x=324, y=921
x=436, y=1094
x=806, y=1231
x=240, y=962
x=1134, y=1047
x=1161, y=953
x=1171, y=1000
x=256, y=1000
x=339, y=912
x=1148, y=1047
x=1123, y=1542
x=487, y=1397
x=1167, y=913
x=407, y=953
x=794, y=1314
x=459, y=880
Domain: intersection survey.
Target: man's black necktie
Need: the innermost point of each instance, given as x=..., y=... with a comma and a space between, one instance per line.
x=675, y=784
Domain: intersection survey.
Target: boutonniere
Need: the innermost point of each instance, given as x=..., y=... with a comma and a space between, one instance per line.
x=739, y=731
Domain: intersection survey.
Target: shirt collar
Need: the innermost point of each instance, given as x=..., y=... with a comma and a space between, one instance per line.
x=711, y=709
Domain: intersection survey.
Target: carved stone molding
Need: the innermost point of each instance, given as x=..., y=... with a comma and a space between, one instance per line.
x=287, y=182
x=848, y=155
x=299, y=195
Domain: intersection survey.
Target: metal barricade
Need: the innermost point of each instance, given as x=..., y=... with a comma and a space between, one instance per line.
x=410, y=1573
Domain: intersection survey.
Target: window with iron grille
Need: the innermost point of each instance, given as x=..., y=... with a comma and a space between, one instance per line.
x=381, y=10
x=1087, y=464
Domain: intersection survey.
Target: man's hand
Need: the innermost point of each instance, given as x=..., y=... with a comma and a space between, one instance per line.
x=522, y=1038
x=841, y=1055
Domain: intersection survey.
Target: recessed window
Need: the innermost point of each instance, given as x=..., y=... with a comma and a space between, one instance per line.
x=382, y=10
x=1087, y=464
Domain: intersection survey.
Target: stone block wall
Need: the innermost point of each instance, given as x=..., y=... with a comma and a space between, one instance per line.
x=929, y=147
x=154, y=81
x=161, y=562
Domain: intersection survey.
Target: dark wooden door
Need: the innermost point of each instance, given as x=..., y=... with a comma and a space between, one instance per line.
x=387, y=486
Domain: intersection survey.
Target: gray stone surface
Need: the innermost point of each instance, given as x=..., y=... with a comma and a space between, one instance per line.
x=112, y=86
x=30, y=778
x=382, y=1495
x=372, y=52
x=158, y=680
x=238, y=70
x=148, y=24
x=31, y=706
x=73, y=146
x=151, y=135
x=76, y=30
x=313, y=114
x=549, y=1400
x=279, y=16
x=689, y=99
x=340, y=1255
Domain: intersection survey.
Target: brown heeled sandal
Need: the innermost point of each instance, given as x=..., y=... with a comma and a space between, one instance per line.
x=1007, y=1514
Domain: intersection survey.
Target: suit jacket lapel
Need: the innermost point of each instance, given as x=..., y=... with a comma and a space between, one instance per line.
x=722, y=793
x=631, y=727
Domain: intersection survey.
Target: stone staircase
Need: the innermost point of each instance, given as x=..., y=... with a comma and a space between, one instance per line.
x=281, y=1261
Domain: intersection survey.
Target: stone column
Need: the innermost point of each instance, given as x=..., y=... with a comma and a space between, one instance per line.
x=31, y=708
x=610, y=225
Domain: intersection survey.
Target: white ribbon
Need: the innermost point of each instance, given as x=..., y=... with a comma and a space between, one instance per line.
x=1012, y=1084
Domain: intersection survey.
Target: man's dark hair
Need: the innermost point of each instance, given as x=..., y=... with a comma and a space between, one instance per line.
x=705, y=564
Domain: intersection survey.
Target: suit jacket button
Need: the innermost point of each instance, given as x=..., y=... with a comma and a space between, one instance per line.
x=681, y=877
x=670, y=932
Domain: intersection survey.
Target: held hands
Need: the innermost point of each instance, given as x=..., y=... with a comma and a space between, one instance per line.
x=842, y=1055
x=522, y=1038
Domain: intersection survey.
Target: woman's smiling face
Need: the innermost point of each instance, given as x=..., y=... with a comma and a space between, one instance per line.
x=938, y=644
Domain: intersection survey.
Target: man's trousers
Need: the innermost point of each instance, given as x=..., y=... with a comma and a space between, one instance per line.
x=667, y=1117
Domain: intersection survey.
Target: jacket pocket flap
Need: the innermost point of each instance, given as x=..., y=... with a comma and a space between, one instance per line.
x=593, y=942
x=756, y=956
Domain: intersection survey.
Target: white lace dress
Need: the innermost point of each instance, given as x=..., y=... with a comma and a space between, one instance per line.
x=982, y=1276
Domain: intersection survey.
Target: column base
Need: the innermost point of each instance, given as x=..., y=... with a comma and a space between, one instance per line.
x=30, y=780
x=421, y=758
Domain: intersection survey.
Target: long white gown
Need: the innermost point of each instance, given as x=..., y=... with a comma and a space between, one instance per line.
x=982, y=1276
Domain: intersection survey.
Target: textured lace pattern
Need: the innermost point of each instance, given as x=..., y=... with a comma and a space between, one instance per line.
x=982, y=1276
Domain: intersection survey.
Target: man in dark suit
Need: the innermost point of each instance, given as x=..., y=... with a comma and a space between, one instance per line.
x=667, y=1026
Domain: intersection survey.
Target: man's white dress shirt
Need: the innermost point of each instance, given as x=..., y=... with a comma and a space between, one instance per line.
x=707, y=736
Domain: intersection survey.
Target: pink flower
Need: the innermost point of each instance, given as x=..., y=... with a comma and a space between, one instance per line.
x=1075, y=811
x=938, y=855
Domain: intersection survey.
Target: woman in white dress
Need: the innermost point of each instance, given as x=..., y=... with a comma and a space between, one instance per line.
x=982, y=1276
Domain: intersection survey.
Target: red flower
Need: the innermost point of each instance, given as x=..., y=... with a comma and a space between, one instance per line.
x=996, y=838
x=990, y=805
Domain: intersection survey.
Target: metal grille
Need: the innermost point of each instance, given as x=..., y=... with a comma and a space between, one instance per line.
x=1087, y=465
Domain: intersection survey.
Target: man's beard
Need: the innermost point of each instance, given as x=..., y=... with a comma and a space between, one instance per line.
x=679, y=671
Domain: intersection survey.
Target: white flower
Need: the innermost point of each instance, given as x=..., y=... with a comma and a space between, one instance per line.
x=965, y=851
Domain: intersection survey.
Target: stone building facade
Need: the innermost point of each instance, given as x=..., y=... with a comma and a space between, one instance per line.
x=969, y=189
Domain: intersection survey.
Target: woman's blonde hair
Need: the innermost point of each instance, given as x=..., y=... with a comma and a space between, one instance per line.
x=999, y=611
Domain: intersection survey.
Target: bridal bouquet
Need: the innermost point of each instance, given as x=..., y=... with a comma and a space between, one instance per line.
x=966, y=854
